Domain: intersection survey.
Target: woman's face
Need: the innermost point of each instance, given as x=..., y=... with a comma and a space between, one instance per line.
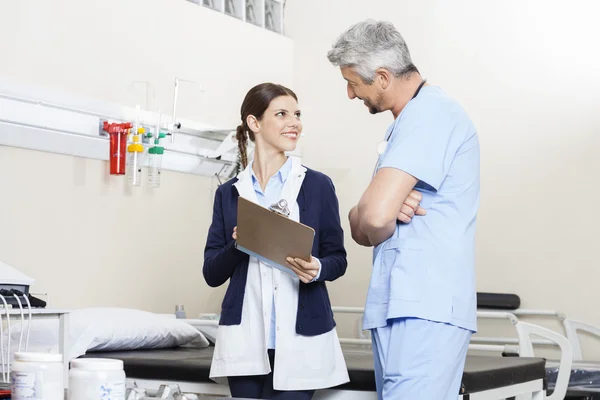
x=280, y=126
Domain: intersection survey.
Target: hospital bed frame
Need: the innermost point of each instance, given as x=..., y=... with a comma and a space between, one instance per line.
x=572, y=328
x=519, y=377
x=483, y=379
x=522, y=346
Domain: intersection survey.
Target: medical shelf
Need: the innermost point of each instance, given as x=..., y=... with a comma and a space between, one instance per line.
x=267, y=14
x=255, y=12
x=274, y=16
x=216, y=5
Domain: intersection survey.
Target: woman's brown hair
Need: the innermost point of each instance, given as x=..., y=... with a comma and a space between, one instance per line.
x=255, y=103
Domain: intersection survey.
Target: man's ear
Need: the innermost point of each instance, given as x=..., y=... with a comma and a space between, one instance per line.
x=383, y=77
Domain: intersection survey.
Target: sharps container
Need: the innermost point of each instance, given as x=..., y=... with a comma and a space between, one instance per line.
x=96, y=378
x=37, y=376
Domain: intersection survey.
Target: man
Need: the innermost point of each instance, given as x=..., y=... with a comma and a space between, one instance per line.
x=421, y=303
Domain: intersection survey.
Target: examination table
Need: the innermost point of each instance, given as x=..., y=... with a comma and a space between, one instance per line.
x=483, y=378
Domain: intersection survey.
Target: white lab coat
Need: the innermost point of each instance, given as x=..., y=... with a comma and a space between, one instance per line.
x=301, y=362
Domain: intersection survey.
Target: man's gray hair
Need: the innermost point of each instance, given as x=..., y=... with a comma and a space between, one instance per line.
x=370, y=45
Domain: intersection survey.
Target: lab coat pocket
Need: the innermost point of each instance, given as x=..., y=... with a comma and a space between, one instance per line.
x=408, y=270
x=230, y=343
x=319, y=353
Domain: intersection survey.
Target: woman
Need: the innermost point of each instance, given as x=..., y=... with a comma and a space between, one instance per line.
x=277, y=336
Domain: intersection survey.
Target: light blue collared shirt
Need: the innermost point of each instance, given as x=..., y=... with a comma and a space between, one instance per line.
x=427, y=268
x=266, y=198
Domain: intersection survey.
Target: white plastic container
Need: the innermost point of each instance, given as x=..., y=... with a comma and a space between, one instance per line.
x=37, y=376
x=96, y=379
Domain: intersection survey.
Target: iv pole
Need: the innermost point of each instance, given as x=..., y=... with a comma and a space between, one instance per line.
x=176, y=125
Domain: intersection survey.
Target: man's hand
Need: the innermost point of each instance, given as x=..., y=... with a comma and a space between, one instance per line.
x=411, y=207
x=234, y=236
x=306, y=271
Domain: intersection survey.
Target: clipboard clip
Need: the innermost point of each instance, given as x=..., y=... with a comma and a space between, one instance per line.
x=281, y=207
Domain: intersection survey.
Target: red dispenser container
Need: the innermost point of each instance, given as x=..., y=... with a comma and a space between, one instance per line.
x=118, y=145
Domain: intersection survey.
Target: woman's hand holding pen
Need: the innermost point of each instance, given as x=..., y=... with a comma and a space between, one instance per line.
x=306, y=271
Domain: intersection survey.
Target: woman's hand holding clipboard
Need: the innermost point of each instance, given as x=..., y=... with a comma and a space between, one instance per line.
x=306, y=271
x=274, y=238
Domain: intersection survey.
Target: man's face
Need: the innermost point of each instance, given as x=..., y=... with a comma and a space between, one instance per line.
x=371, y=95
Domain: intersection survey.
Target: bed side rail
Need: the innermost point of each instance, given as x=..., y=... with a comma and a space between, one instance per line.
x=512, y=317
x=525, y=330
x=571, y=327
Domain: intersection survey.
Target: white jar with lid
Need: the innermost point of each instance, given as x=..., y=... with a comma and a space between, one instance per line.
x=96, y=379
x=37, y=376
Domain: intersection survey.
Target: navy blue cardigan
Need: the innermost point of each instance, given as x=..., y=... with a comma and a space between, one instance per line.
x=319, y=209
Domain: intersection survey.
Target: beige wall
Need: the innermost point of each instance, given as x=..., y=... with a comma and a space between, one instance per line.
x=525, y=71
x=84, y=236
x=89, y=240
x=106, y=50
x=527, y=74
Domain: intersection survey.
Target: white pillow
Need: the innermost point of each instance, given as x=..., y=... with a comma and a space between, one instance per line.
x=208, y=325
x=107, y=329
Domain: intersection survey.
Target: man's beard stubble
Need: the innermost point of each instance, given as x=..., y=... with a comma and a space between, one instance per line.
x=375, y=108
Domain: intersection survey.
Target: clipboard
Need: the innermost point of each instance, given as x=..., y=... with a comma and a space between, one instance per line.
x=271, y=236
